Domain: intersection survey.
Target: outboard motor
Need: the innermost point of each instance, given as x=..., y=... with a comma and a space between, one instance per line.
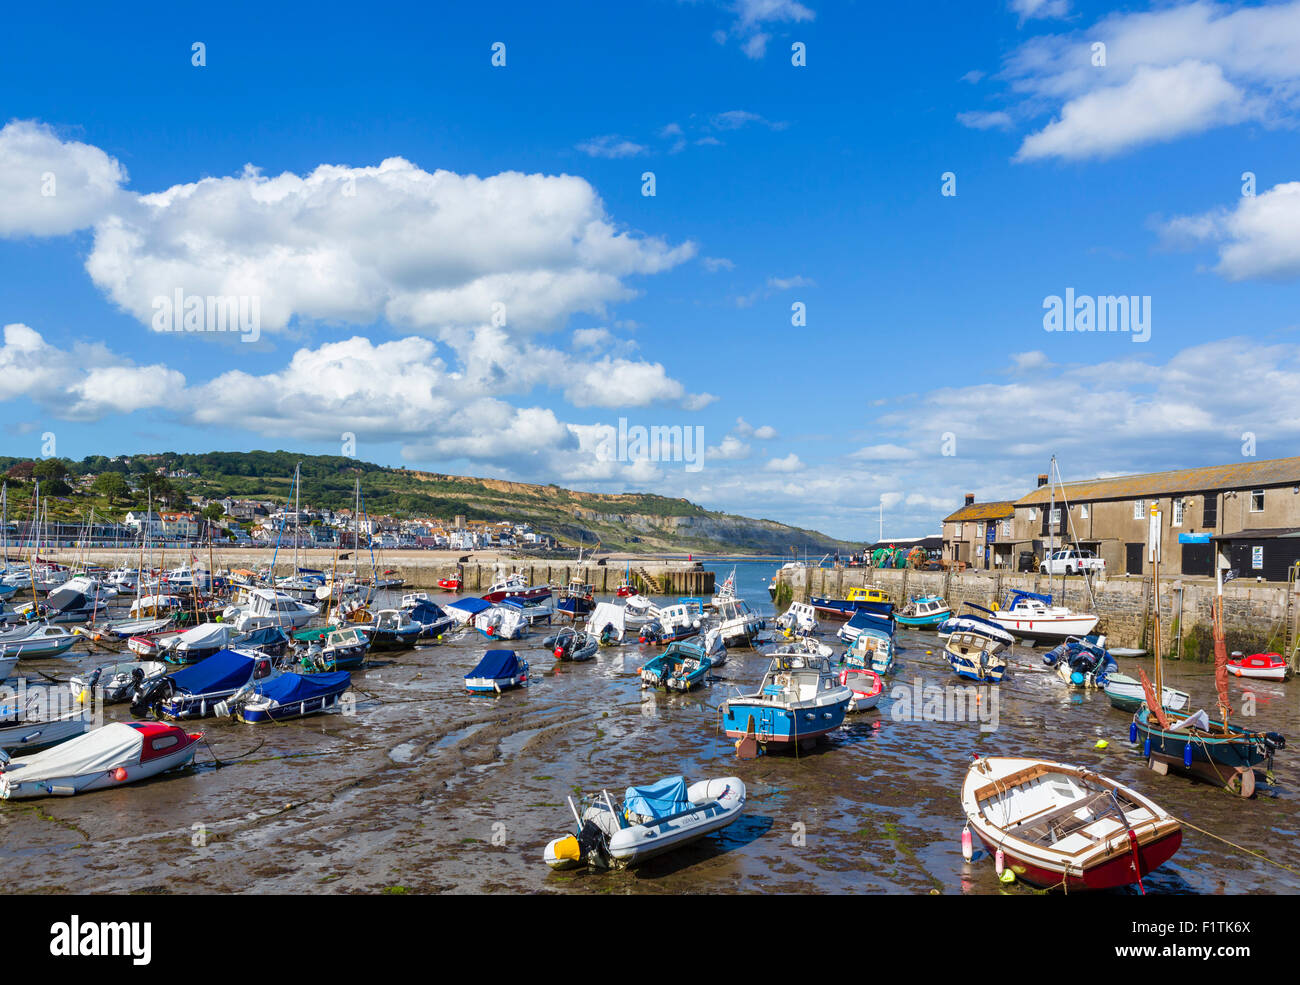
x=145, y=700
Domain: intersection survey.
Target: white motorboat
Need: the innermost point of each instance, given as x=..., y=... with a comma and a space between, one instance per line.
x=1030, y=616
x=738, y=623
x=116, y=681
x=35, y=641
x=800, y=618
x=22, y=734
x=269, y=607
x=117, y=754
x=652, y=820
x=607, y=623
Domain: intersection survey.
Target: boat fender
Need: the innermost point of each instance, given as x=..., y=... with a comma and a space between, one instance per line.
x=1076, y=678
x=1146, y=747
x=568, y=848
x=966, y=850
x=119, y=774
x=1187, y=755
x=1132, y=731
x=999, y=863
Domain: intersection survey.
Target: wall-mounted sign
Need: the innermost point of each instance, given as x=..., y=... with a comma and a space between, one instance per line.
x=1257, y=558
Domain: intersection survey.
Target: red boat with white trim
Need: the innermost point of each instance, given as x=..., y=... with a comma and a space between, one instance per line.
x=1059, y=825
x=1261, y=666
x=450, y=584
x=117, y=754
x=515, y=586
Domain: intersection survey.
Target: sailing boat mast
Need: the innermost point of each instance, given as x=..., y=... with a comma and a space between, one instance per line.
x=1153, y=555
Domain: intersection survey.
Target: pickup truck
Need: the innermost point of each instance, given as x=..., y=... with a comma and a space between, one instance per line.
x=1073, y=562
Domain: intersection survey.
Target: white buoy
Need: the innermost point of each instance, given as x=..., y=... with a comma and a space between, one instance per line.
x=966, y=851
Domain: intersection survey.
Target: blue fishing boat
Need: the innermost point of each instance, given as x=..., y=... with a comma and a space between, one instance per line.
x=578, y=599
x=923, y=612
x=498, y=671
x=290, y=696
x=195, y=691
x=800, y=700
x=1209, y=748
x=431, y=618
x=681, y=667
x=858, y=599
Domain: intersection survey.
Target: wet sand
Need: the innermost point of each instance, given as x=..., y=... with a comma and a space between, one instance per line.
x=429, y=789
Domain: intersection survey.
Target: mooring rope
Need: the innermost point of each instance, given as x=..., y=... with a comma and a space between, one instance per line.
x=1249, y=851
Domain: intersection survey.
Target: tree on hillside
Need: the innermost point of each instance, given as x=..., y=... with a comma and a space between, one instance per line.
x=50, y=469
x=111, y=485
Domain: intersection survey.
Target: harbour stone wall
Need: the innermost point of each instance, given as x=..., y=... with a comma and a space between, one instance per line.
x=1255, y=614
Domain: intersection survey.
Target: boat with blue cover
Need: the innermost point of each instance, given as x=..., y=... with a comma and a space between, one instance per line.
x=430, y=616
x=873, y=643
x=923, y=612
x=799, y=700
x=289, y=696
x=498, y=671
x=195, y=691
x=651, y=820
x=865, y=620
x=682, y=667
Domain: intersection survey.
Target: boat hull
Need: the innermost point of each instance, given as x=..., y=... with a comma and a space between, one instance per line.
x=1054, y=630
x=1235, y=751
x=843, y=609
x=1111, y=874
x=776, y=726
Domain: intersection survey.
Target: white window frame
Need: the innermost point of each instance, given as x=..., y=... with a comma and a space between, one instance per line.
x=958, y=537
x=1006, y=529
x=1139, y=509
x=1055, y=521
x=1176, y=512
x=1083, y=511
x=1260, y=494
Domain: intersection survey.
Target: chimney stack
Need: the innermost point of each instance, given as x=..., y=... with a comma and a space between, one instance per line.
x=970, y=499
x=1042, y=480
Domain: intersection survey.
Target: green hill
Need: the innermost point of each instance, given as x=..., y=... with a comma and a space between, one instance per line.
x=639, y=522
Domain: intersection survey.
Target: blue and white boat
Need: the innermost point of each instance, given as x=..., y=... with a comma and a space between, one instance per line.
x=498, y=671
x=800, y=700
x=681, y=667
x=923, y=612
x=871, y=642
x=195, y=691
x=977, y=624
x=430, y=616
x=289, y=696
x=976, y=656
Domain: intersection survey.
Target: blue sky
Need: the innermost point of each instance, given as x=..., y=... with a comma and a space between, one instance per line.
x=923, y=371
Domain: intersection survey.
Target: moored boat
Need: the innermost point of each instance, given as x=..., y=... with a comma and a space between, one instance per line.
x=1082, y=663
x=498, y=671
x=572, y=645
x=117, y=754
x=873, y=645
x=1032, y=616
x=976, y=656
x=866, y=685
x=651, y=820
x=923, y=612
x=857, y=600
x=36, y=642
x=1066, y=826
x=287, y=696
x=681, y=667
x=799, y=700
x=1260, y=666
x=1125, y=693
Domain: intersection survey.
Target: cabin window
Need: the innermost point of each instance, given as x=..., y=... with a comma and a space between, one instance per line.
x=1257, y=501
x=1177, y=521
x=1139, y=509
x=166, y=742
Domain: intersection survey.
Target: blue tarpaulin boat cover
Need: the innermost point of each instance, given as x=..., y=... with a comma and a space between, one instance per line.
x=496, y=665
x=661, y=799
x=426, y=612
x=266, y=636
x=225, y=670
x=472, y=606
x=289, y=689
x=862, y=619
